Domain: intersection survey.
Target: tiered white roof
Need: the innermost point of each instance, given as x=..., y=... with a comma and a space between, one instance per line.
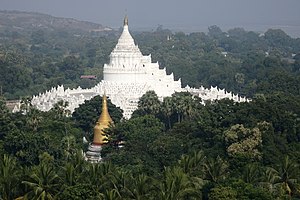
x=125, y=54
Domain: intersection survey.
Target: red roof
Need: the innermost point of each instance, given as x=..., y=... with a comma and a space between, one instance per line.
x=88, y=77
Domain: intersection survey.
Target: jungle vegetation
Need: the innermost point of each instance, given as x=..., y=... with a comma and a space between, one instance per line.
x=174, y=149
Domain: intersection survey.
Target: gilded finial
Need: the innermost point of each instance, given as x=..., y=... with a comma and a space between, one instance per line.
x=104, y=117
x=126, y=21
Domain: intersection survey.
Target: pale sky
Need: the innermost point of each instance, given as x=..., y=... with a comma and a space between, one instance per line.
x=173, y=14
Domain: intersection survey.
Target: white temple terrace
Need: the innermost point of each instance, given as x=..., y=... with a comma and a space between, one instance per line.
x=128, y=75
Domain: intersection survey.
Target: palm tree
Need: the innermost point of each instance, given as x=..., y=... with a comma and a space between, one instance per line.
x=34, y=119
x=268, y=179
x=251, y=173
x=178, y=105
x=43, y=183
x=167, y=109
x=288, y=173
x=188, y=106
x=177, y=185
x=61, y=112
x=8, y=177
x=193, y=164
x=70, y=177
x=215, y=169
x=140, y=187
x=69, y=145
x=25, y=105
x=99, y=174
x=73, y=168
x=183, y=105
x=60, y=109
x=282, y=180
x=119, y=181
x=111, y=194
x=4, y=118
x=149, y=103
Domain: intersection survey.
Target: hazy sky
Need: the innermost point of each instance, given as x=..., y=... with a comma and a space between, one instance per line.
x=192, y=14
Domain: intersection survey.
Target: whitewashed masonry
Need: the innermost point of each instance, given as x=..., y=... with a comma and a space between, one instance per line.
x=128, y=76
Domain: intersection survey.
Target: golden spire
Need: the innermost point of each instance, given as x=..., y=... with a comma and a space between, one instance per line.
x=103, y=122
x=104, y=117
x=126, y=21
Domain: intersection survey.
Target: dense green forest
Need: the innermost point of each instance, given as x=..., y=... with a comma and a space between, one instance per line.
x=175, y=149
x=36, y=59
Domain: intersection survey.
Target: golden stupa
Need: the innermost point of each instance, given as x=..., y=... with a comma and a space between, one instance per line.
x=103, y=122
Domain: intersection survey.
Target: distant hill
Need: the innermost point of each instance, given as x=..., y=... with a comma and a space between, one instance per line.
x=19, y=20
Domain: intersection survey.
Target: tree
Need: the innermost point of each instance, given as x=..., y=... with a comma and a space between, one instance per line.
x=8, y=177
x=238, y=189
x=26, y=105
x=243, y=142
x=167, y=149
x=38, y=36
x=86, y=115
x=184, y=104
x=282, y=181
x=140, y=187
x=100, y=175
x=215, y=31
x=138, y=134
x=60, y=109
x=26, y=146
x=251, y=173
x=216, y=169
x=223, y=193
x=5, y=121
x=120, y=181
x=177, y=185
x=34, y=118
x=112, y=194
x=72, y=67
x=80, y=191
x=69, y=146
x=74, y=169
x=43, y=183
x=277, y=37
x=193, y=164
x=70, y=174
x=148, y=104
x=287, y=173
x=167, y=109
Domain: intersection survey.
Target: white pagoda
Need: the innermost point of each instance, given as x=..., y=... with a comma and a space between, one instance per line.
x=128, y=75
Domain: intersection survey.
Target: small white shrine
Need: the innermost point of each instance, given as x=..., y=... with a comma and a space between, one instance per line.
x=128, y=75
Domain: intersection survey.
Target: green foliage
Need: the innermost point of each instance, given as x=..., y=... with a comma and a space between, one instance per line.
x=137, y=134
x=148, y=152
x=171, y=149
x=193, y=164
x=88, y=113
x=241, y=141
x=176, y=185
x=79, y=191
x=40, y=59
x=148, y=104
x=223, y=193
x=43, y=183
x=215, y=169
x=9, y=176
x=167, y=149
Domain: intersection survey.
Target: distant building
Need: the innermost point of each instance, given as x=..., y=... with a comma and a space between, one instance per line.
x=128, y=75
x=224, y=53
x=88, y=77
